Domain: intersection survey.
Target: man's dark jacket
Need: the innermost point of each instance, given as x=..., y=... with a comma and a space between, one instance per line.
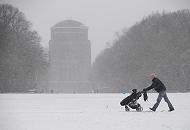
x=157, y=85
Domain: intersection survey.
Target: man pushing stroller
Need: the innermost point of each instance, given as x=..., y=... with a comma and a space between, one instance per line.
x=159, y=87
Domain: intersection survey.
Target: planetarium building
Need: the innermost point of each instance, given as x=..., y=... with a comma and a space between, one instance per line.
x=70, y=58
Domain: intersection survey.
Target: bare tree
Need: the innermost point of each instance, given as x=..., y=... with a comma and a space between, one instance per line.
x=20, y=51
x=160, y=42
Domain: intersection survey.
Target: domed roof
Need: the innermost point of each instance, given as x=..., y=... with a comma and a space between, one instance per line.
x=68, y=23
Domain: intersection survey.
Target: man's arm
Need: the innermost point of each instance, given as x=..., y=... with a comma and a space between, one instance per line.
x=150, y=87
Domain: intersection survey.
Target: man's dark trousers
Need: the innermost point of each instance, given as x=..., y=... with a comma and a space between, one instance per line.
x=162, y=94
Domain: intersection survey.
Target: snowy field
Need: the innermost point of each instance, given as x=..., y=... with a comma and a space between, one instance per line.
x=90, y=112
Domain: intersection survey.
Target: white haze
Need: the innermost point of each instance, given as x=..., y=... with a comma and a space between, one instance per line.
x=103, y=17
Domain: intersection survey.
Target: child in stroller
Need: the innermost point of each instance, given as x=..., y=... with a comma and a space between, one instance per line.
x=131, y=101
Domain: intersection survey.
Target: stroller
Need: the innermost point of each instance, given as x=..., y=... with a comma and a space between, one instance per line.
x=131, y=101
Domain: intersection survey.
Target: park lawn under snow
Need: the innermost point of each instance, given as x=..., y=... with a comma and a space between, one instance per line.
x=90, y=112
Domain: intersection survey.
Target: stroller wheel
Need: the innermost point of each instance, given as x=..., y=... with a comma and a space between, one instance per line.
x=139, y=109
x=127, y=108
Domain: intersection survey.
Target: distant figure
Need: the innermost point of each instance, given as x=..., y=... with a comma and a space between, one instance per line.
x=161, y=89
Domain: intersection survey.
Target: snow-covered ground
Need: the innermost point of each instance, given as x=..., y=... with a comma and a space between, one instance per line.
x=90, y=112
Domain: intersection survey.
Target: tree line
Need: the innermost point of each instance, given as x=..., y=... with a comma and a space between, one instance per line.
x=159, y=43
x=22, y=58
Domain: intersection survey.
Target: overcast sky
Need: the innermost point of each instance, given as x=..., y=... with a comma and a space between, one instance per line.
x=103, y=17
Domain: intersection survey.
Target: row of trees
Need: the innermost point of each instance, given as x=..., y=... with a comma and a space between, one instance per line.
x=159, y=43
x=22, y=59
